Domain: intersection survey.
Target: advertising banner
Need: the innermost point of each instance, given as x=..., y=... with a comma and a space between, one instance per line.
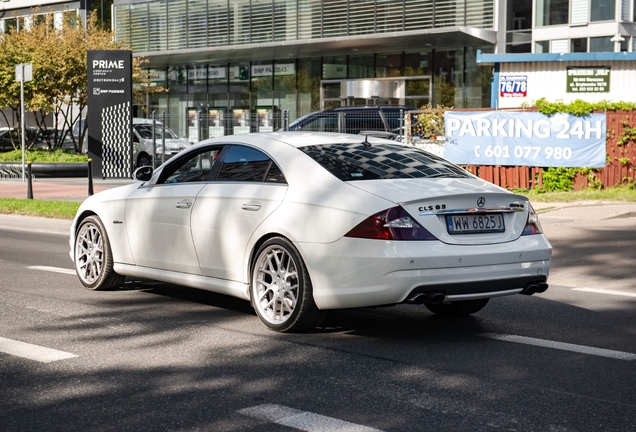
x=525, y=139
x=109, y=118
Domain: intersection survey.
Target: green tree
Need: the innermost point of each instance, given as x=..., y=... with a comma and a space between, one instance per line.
x=60, y=80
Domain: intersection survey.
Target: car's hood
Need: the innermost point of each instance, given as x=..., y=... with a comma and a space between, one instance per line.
x=403, y=191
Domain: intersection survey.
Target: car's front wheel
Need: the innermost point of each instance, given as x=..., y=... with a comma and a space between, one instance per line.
x=459, y=308
x=281, y=290
x=144, y=160
x=93, y=256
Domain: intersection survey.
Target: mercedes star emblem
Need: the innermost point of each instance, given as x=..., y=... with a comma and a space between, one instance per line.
x=481, y=201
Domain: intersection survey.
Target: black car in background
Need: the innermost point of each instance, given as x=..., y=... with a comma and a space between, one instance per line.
x=383, y=121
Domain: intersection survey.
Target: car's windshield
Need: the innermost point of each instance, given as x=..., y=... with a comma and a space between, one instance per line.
x=350, y=162
x=145, y=131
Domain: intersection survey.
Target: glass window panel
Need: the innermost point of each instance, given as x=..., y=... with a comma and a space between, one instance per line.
x=417, y=63
x=157, y=28
x=361, y=66
x=309, y=19
x=448, y=13
x=262, y=85
x=602, y=10
x=139, y=26
x=218, y=22
x=334, y=18
x=195, y=169
x=580, y=12
x=262, y=15
x=552, y=12
x=361, y=17
x=240, y=23
x=334, y=67
x=448, y=78
x=285, y=88
x=177, y=24
x=578, y=45
x=285, y=16
x=388, y=65
x=197, y=23
x=480, y=14
x=601, y=44
x=309, y=75
x=418, y=14
x=243, y=164
x=542, y=47
x=519, y=14
x=122, y=22
x=389, y=16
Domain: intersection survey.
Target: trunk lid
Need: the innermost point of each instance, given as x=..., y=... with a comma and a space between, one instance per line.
x=462, y=211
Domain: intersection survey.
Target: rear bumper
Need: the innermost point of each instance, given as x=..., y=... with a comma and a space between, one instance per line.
x=356, y=272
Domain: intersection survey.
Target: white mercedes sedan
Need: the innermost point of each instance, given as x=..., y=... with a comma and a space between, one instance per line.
x=299, y=223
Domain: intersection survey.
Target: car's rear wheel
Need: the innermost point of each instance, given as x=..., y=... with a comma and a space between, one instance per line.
x=93, y=256
x=281, y=289
x=460, y=308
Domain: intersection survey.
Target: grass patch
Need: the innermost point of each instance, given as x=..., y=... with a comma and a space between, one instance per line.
x=57, y=155
x=618, y=194
x=40, y=208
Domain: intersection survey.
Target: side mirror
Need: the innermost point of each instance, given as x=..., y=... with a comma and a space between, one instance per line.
x=143, y=173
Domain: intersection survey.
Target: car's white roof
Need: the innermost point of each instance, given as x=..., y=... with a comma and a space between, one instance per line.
x=300, y=139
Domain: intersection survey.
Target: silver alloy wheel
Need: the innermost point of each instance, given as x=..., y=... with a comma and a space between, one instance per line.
x=276, y=284
x=89, y=253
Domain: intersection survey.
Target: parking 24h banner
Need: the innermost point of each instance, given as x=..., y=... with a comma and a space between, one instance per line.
x=109, y=118
x=525, y=139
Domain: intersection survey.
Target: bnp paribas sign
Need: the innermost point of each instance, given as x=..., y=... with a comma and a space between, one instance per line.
x=109, y=119
x=593, y=79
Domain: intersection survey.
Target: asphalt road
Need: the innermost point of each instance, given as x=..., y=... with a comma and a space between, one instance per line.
x=154, y=356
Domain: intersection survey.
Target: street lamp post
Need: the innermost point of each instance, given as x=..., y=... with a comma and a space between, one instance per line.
x=23, y=72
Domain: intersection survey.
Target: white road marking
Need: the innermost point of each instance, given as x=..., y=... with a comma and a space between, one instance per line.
x=302, y=420
x=619, y=355
x=602, y=291
x=54, y=269
x=32, y=352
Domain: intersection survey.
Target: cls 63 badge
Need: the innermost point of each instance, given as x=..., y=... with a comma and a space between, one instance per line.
x=433, y=207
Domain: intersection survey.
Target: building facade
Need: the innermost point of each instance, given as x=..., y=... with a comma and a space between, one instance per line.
x=252, y=56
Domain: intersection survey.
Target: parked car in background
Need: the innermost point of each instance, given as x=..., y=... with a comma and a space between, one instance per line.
x=142, y=141
x=8, y=138
x=382, y=121
x=143, y=144
x=300, y=223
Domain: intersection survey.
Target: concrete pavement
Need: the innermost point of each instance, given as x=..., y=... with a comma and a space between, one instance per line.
x=65, y=189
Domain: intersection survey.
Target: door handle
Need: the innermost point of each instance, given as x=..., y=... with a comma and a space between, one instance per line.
x=251, y=206
x=184, y=204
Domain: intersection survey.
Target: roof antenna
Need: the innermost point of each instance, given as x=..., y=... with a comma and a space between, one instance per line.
x=366, y=142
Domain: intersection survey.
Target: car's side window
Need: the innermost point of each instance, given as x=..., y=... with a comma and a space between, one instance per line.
x=248, y=164
x=358, y=121
x=322, y=124
x=195, y=168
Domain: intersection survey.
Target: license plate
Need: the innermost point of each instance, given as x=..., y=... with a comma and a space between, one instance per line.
x=475, y=224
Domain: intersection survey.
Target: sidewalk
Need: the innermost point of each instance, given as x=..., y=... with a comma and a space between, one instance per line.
x=63, y=189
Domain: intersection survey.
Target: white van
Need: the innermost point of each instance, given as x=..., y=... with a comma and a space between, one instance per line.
x=142, y=141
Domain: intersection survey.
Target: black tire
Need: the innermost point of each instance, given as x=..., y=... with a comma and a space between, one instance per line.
x=280, y=288
x=143, y=160
x=93, y=256
x=456, y=309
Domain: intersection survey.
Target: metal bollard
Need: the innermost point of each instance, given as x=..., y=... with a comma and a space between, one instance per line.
x=90, y=177
x=30, y=181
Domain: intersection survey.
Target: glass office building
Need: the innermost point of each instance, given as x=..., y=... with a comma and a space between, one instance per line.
x=306, y=55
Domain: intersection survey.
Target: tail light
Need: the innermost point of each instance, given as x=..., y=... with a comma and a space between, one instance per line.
x=533, y=226
x=392, y=224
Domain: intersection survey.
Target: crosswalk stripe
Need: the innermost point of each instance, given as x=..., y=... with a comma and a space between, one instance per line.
x=33, y=352
x=302, y=420
x=619, y=355
x=54, y=269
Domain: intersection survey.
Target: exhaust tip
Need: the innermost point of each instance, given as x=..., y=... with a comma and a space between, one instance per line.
x=436, y=298
x=529, y=289
x=542, y=287
x=417, y=298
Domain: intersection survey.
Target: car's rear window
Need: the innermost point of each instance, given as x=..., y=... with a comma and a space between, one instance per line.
x=350, y=162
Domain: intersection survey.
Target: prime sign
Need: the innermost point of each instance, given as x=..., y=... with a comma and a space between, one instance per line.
x=108, y=64
x=530, y=139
